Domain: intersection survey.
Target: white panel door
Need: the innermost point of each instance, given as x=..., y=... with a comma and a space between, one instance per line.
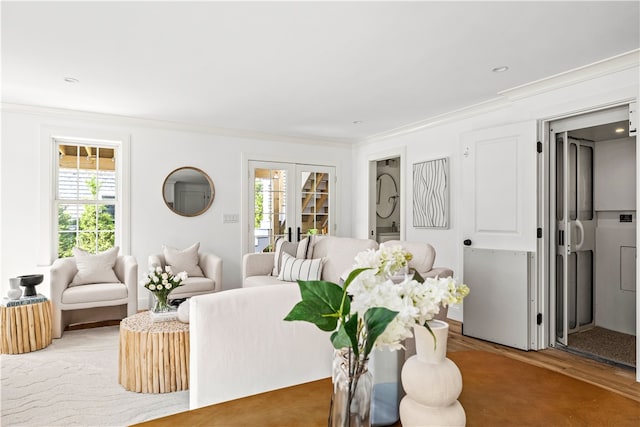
x=499, y=224
x=499, y=187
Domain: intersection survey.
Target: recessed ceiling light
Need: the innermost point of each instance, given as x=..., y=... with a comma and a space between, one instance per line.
x=357, y=122
x=500, y=69
x=620, y=130
x=71, y=80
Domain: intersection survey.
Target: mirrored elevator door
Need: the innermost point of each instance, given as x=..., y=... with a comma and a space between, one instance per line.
x=575, y=240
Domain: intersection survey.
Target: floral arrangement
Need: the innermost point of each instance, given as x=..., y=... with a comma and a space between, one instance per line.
x=161, y=282
x=370, y=310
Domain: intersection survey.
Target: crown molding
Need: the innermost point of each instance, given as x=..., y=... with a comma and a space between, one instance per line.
x=451, y=116
x=592, y=71
x=118, y=120
x=601, y=68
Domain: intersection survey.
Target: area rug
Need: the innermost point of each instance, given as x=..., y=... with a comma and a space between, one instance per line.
x=606, y=344
x=74, y=382
x=500, y=391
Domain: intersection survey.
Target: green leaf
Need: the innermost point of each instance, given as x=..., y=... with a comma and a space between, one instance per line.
x=347, y=335
x=376, y=320
x=417, y=277
x=320, y=304
x=308, y=312
x=353, y=275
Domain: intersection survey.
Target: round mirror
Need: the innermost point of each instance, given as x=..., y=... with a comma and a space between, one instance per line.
x=188, y=191
x=387, y=195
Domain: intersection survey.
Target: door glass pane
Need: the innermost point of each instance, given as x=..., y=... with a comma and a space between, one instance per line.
x=572, y=290
x=270, y=207
x=314, y=206
x=585, y=185
x=585, y=287
x=559, y=177
x=573, y=181
x=559, y=297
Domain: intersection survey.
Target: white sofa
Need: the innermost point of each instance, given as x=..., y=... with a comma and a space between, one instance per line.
x=339, y=253
x=240, y=344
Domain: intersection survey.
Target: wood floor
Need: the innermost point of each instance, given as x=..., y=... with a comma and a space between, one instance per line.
x=618, y=380
x=612, y=378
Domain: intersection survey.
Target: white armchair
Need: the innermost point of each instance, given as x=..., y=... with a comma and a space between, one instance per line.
x=211, y=266
x=92, y=302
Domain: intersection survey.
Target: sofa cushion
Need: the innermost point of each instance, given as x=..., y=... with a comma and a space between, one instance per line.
x=295, y=249
x=340, y=253
x=95, y=268
x=424, y=254
x=96, y=292
x=193, y=284
x=183, y=260
x=293, y=269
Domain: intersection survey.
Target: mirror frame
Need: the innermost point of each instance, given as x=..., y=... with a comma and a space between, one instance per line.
x=395, y=196
x=205, y=175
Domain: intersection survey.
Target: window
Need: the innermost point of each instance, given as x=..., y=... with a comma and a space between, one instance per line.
x=86, y=196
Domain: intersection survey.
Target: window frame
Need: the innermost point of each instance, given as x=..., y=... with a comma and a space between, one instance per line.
x=50, y=138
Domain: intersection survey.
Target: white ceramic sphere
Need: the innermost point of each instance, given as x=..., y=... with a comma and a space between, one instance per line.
x=183, y=312
x=432, y=384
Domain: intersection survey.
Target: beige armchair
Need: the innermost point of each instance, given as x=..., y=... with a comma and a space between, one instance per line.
x=211, y=281
x=72, y=304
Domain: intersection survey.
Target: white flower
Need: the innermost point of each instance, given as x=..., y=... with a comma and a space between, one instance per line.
x=168, y=286
x=155, y=279
x=159, y=287
x=152, y=287
x=415, y=302
x=168, y=269
x=158, y=269
x=164, y=276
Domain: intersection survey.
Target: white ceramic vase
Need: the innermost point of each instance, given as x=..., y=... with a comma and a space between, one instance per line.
x=431, y=381
x=14, y=292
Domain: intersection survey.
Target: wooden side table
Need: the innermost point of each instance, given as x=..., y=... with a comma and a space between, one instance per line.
x=25, y=327
x=154, y=356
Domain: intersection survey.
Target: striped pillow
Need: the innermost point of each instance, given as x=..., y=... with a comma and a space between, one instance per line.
x=296, y=249
x=294, y=269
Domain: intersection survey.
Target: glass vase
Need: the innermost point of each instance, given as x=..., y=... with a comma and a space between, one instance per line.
x=161, y=303
x=352, y=388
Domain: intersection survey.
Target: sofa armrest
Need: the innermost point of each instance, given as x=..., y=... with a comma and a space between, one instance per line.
x=240, y=345
x=438, y=272
x=130, y=269
x=260, y=264
x=61, y=274
x=211, y=266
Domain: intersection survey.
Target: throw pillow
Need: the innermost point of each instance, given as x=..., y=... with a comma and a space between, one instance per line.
x=295, y=249
x=95, y=268
x=293, y=269
x=183, y=260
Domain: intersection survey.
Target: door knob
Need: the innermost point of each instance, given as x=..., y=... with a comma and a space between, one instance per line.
x=467, y=242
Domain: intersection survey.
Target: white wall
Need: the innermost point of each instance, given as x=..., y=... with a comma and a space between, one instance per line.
x=441, y=138
x=155, y=152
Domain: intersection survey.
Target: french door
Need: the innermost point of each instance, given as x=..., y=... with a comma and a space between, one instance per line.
x=288, y=200
x=575, y=234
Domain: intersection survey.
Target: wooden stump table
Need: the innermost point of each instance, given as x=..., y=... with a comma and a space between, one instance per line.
x=25, y=327
x=154, y=356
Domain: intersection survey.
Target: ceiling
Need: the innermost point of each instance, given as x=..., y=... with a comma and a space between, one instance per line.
x=342, y=71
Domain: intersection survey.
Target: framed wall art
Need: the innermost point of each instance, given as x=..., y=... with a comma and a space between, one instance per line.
x=431, y=193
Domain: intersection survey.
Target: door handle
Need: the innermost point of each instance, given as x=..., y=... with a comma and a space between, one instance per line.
x=298, y=234
x=467, y=242
x=289, y=233
x=581, y=227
